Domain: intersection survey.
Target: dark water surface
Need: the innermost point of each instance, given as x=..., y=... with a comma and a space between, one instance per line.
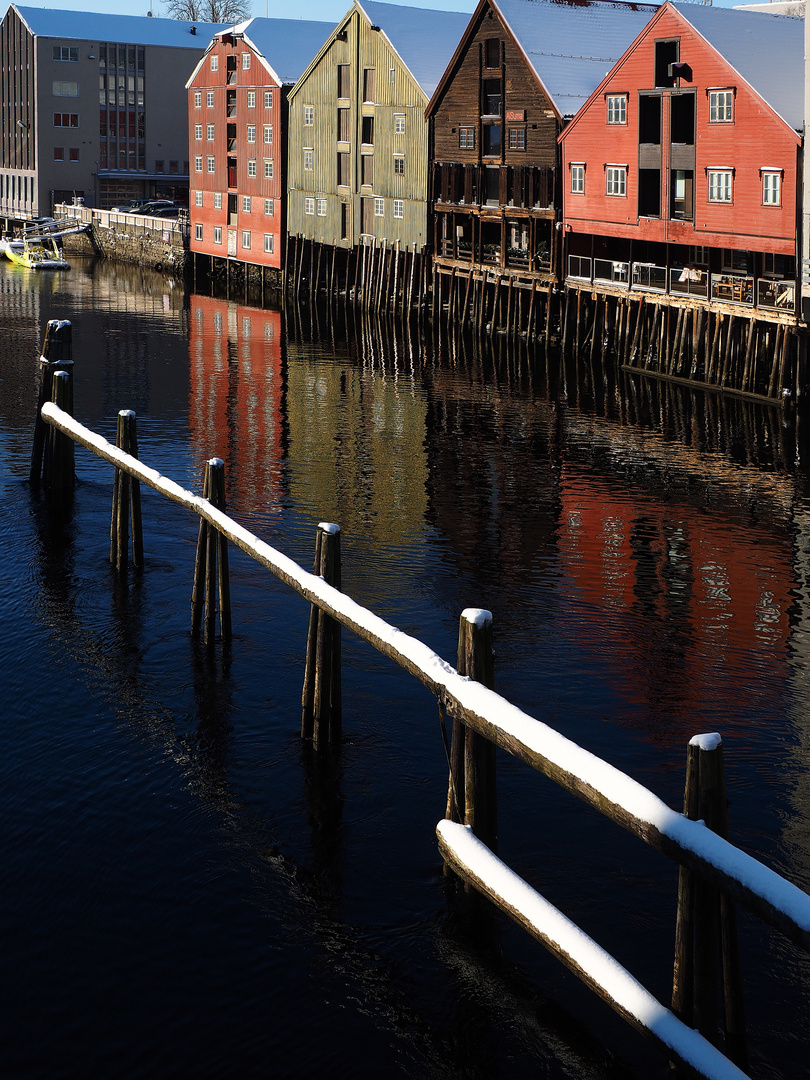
x=183, y=893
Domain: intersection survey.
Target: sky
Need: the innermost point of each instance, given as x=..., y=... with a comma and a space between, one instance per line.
x=328, y=10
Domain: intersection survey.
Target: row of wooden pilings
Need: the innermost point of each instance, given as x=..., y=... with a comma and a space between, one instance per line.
x=493, y=302
x=706, y=951
x=686, y=342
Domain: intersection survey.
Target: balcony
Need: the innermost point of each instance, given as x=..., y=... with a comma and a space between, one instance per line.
x=650, y=277
x=579, y=266
x=689, y=281
x=608, y=270
x=777, y=295
x=733, y=289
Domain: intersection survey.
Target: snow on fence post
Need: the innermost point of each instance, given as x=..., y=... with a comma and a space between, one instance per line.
x=321, y=694
x=126, y=500
x=472, y=793
x=57, y=350
x=211, y=564
x=706, y=922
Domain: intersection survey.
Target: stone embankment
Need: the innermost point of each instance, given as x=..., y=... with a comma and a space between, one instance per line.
x=159, y=243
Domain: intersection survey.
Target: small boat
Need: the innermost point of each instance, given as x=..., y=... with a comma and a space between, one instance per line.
x=6, y=243
x=39, y=254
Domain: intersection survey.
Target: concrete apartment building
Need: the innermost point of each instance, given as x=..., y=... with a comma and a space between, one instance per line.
x=93, y=106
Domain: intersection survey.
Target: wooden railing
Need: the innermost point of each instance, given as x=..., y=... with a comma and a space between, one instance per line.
x=482, y=720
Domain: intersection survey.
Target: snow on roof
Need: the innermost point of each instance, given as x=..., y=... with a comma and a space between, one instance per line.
x=767, y=50
x=288, y=45
x=424, y=38
x=128, y=29
x=572, y=44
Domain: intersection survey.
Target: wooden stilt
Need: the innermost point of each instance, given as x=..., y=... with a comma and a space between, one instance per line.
x=211, y=577
x=126, y=500
x=321, y=694
x=57, y=355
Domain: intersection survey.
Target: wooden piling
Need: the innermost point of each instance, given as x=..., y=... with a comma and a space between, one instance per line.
x=321, y=694
x=60, y=452
x=57, y=355
x=472, y=792
x=126, y=503
x=211, y=577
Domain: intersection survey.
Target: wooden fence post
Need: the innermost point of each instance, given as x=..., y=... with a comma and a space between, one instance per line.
x=57, y=355
x=472, y=794
x=211, y=579
x=59, y=450
x=706, y=925
x=126, y=500
x=321, y=694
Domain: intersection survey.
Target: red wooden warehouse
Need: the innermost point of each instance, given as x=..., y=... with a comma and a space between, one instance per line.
x=681, y=171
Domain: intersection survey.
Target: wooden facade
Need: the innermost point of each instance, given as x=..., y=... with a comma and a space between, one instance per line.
x=679, y=178
x=494, y=174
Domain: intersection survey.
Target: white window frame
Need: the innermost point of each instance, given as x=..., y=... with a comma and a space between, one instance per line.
x=269, y=208
x=198, y=198
x=217, y=200
x=268, y=168
x=309, y=115
x=320, y=207
x=309, y=159
x=399, y=208
x=399, y=164
x=251, y=167
x=198, y=99
x=578, y=178
x=209, y=99
x=721, y=106
x=309, y=206
x=217, y=234
x=210, y=132
x=246, y=235
x=399, y=123
x=212, y=164
x=246, y=204
x=198, y=163
x=268, y=134
x=379, y=206
x=268, y=99
x=198, y=231
x=720, y=184
x=269, y=243
x=251, y=99
x=246, y=61
x=616, y=108
x=251, y=128
x=214, y=62
x=771, y=187
x=198, y=132
x=616, y=181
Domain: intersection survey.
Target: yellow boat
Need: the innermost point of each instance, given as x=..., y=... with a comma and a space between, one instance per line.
x=39, y=254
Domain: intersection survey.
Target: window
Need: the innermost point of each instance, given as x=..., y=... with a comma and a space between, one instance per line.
x=214, y=62
x=59, y=153
x=399, y=125
x=209, y=98
x=65, y=89
x=209, y=132
x=379, y=207
x=198, y=163
x=492, y=97
x=66, y=119
x=367, y=170
x=309, y=115
x=198, y=198
x=268, y=134
x=399, y=208
x=268, y=170
x=251, y=128
x=217, y=234
x=492, y=52
x=198, y=232
x=252, y=167
x=616, y=180
x=212, y=166
x=269, y=243
x=308, y=160
x=771, y=188
x=246, y=67
x=246, y=204
x=66, y=52
x=368, y=84
x=73, y=153
x=268, y=99
x=246, y=232
x=721, y=106
x=251, y=99
x=343, y=72
x=466, y=138
x=198, y=131
x=617, y=108
x=217, y=200
x=309, y=205
x=578, y=179
x=343, y=131
x=517, y=138
x=343, y=173
x=321, y=207
x=719, y=185
x=197, y=99
x=492, y=140
x=159, y=166
x=269, y=208
x=399, y=165
x=367, y=134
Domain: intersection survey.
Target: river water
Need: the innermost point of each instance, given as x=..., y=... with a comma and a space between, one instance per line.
x=184, y=893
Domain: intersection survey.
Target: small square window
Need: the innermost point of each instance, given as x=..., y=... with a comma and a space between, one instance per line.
x=720, y=185
x=617, y=108
x=269, y=243
x=721, y=106
x=399, y=125
x=217, y=234
x=771, y=188
x=466, y=138
x=59, y=153
x=399, y=208
x=517, y=138
x=209, y=98
x=246, y=204
x=269, y=208
x=198, y=198
x=577, y=179
x=616, y=180
x=198, y=232
x=73, y=153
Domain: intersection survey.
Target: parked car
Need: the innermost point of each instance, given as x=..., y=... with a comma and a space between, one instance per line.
x=164, y=211
x=131, y=207
x=149, y=206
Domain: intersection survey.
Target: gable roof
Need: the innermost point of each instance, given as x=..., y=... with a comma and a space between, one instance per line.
x=766, y=50
x=124, y=29
x=285, y=47
x=423, y=38
x=569, y=44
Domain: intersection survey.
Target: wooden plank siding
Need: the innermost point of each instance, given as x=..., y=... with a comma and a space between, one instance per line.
x=470, y=202
x=357, y=46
